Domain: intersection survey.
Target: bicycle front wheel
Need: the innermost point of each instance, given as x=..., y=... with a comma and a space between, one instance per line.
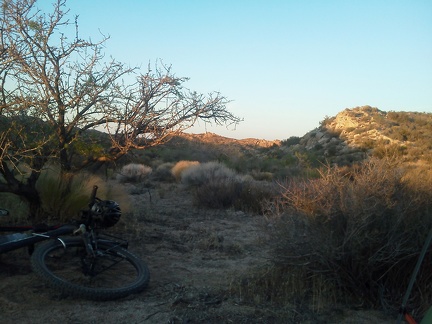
x=111, y=273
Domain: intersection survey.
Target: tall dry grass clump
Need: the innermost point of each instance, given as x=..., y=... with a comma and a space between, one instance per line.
x=361, y=230
x=63, y=195
x=134, y=172
x=178, y=169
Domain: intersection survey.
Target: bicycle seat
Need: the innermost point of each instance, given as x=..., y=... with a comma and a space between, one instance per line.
x=4, y=212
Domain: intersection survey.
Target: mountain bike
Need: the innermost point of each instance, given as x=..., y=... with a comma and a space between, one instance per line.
x=76, y=258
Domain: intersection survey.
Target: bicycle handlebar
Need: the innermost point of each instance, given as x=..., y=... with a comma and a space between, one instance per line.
x=93, y=195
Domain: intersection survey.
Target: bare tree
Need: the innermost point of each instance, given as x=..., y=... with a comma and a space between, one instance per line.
x=56, y=88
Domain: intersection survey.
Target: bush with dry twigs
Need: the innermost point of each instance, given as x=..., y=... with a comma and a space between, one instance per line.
x=216, y=186
x=361, y=230
x=134, y=172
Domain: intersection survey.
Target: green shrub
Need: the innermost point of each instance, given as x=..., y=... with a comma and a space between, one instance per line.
x=180, y=167
x=293, y=140
x=362, y=228
x=133, y=172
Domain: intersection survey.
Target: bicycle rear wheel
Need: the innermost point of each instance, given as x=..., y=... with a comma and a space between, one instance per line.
x=111, y=273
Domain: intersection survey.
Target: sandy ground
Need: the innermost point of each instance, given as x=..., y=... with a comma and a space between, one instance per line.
x=195, y=256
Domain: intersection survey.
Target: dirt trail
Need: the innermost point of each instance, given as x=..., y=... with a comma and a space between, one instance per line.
x=195, y=256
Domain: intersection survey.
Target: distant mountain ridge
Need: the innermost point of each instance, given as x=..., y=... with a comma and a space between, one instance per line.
x=213, y=138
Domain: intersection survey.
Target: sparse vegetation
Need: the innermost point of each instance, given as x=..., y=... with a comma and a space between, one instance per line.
x=346, y=209
x=163, y=172
x=214, y=185
x=360, y=230
x=178, y=169
x=134, y=172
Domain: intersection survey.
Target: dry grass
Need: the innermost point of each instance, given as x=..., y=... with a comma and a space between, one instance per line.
x=180, y=167
x=65, y=195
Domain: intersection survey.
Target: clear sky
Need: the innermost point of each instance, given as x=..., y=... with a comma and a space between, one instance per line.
x=285, y=65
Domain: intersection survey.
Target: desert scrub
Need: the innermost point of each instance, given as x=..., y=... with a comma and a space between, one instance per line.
x=199, y=174
x=180, y=167
x=362, y=228
x=214, y=184
x=217, y=186
x=134, y=172
x=255, y=196
x=163, y=172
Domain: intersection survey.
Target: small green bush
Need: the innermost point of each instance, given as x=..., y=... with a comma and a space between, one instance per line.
x=133, y=172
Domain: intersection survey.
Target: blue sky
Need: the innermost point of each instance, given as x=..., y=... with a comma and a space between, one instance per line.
x=284, y=64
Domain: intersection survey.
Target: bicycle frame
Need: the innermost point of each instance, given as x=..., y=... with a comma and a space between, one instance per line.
x=30, y=235
x=19, y=239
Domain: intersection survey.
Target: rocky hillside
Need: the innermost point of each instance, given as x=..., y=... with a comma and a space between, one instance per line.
x=355, y=133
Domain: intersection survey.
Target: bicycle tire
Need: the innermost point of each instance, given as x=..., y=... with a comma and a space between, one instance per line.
x=65, y=266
